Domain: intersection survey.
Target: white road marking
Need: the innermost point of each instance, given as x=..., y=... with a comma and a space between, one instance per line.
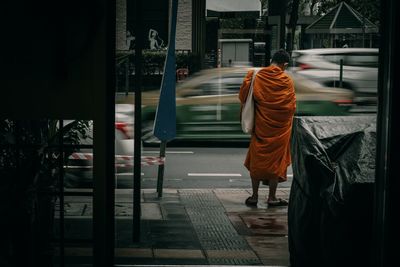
x=215, y=174
x=238, y=180
x=154, y=179
x=168, y=152
x=77, y=167
x=127, y=173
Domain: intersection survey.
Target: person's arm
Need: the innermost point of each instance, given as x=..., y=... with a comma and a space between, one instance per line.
x=150, y=34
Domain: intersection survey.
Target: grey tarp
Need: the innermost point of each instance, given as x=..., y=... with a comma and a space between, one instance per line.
x=331, y=198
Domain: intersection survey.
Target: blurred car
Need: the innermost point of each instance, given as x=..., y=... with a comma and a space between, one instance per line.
x=207, y=104
x=78, y=170
x=124, y=129
x=360, y=70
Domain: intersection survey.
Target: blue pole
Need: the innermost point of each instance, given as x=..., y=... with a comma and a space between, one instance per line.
x=165, y=120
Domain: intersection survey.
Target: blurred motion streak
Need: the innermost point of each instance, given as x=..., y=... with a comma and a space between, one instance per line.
x=207, y=104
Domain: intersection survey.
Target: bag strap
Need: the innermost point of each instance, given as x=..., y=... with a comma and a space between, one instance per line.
x=250, y=92
x=252, y=80
x=254, y=76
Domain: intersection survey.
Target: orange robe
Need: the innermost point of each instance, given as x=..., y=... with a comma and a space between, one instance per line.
x=275, y=102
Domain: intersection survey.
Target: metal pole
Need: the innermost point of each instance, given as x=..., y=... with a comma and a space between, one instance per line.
x=61, y=189
x=160, y=177
x=282, y=25
x=268, y=34
x=138, y=122
x=341, y=74
x=127, y=77
x=104, y=140
x=363, y=31
x=386, y=220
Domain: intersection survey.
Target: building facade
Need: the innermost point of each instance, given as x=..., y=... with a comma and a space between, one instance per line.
x=124, y=36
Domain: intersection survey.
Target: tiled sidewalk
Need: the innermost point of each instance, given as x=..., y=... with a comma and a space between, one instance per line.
x=189, y=226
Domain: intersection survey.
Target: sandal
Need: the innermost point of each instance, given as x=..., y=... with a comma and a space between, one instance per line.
x=250, y=201
x=278, y=203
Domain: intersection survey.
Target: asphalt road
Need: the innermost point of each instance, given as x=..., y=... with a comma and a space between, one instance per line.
x=197, y=167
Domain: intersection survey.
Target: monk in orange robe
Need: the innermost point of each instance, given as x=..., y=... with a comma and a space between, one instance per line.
x=274, y=102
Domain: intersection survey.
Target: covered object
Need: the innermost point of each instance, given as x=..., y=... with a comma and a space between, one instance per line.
x=330, y=211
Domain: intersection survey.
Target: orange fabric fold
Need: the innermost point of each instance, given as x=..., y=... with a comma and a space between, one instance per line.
x=275, y=103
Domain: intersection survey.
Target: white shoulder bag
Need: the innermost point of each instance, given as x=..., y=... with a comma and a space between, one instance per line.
x=247, y=118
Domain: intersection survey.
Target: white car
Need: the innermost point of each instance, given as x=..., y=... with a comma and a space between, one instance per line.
x=78, y=171
x=360, y=70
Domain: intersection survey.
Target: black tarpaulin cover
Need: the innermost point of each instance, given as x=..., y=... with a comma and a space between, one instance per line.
x=331, y=198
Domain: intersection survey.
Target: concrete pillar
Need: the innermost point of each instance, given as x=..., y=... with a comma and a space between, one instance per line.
x=199, y=29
